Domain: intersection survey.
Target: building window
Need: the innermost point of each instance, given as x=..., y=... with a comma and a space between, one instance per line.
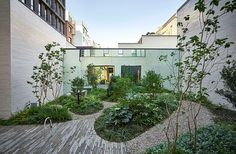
x=62, y=27
x=39, y=9
x=23, y=1
x=70, y=29
x=105, y=53
x=32, y=4
x=92, y=53
x=58, y=25
x=81, y=53
x=46, y=15
x=120, y=52
x=70, y=40
x=49, y=18
x=134, y=53
x=49, y=2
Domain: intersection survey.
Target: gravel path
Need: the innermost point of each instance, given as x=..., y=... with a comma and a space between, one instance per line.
x=156, y=134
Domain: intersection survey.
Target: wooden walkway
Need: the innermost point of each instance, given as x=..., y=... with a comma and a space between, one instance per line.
x=76, y=136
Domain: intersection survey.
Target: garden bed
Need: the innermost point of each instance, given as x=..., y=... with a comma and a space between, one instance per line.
x=211, y=139
x=37, y=115
x=131, y=117
x=88, y=105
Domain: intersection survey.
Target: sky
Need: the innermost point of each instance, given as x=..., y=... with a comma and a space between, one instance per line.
x=110, y=22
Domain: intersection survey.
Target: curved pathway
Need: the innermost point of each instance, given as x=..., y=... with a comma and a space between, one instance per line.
x=76, y=136
x=79, y=136
x=157, y=134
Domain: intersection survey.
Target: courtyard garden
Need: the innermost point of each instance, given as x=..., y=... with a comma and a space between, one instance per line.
x=159, y=119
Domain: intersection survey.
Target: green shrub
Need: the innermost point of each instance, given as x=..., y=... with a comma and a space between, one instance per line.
x=211, y=139
x=77, y=84
x=228, y=74
x=69, y=102
x=133, y=116
x=37, y=115
x=119, y=115
x=166, y=101
x=89, y=105
x=92, y=75
x=152, y=82
x=99, y=93
x=120, y=87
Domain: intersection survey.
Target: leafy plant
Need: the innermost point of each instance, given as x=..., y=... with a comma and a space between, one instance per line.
x=152, y=82
x=69, y=102
x=119, y=115
x=211, y=139
x=48, y=75
x=132, y=116
x=99, y=93
x=92, y=75
x=89, y=105
x=199, y=54
x=228, y=75
x=77, y=84
x=120, y=87
x=37, y=115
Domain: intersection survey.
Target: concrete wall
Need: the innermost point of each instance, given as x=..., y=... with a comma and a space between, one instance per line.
x=5, y=59
x=29, y=35
x=148, y=62
x=228, y=24
x=153, y=41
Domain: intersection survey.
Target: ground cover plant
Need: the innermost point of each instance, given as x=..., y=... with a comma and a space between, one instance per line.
x=99, y=93
x=88, y=105
x=211, y=139
x=131, y=117
x=37, y=115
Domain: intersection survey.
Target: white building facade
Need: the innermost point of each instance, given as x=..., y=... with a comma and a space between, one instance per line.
x=227, y=30
x=141, y=57
x=23, y=35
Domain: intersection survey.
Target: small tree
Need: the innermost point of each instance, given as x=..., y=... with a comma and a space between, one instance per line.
x=120, y=87
x=199, y=54
x=152, y=82
x=92, y=75
x=77, y=84
x=48, y=75
x=228, y=75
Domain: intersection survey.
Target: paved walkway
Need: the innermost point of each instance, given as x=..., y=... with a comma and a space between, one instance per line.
x=78, y=136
